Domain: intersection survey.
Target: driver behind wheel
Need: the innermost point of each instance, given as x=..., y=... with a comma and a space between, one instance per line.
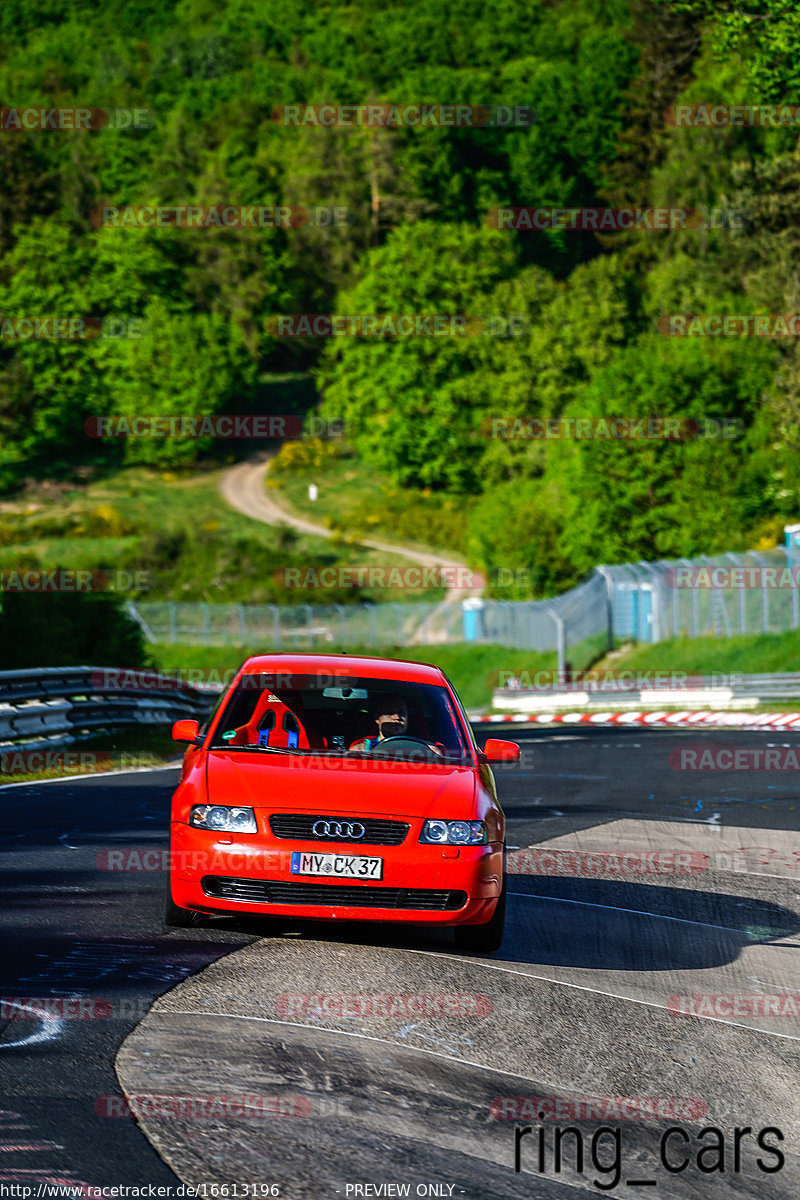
x=391, y=717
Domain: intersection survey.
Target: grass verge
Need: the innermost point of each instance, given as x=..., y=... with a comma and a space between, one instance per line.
x=176, y=531
x=474, y=669
x=754, y=654
x=357, y=499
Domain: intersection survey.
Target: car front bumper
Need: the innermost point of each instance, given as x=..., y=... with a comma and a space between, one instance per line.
x=430, y=885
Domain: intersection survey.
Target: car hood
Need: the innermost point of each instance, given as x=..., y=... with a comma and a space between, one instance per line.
x=349, y=786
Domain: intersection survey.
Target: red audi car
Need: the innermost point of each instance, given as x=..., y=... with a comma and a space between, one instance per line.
x=325, y=786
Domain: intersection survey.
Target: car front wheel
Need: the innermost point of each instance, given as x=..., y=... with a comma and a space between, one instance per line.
x=484, y=939
x=179, y=918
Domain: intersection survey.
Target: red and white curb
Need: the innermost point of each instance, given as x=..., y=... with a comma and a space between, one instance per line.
x=731, y=720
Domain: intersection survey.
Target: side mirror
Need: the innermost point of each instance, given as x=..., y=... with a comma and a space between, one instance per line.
x=497, y=751
x=185, y=731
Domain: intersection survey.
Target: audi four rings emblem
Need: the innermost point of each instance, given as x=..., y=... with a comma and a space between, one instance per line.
x=342, y=829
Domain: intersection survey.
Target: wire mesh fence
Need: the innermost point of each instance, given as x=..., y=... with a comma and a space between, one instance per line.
x=718, y=596
x=721, y=595
x=303, y=626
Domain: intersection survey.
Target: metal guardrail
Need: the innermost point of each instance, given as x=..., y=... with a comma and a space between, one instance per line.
x=48, y=707
x=717, y=691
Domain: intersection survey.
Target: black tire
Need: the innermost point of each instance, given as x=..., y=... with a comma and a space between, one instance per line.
x=180, y=918
x=484, y=939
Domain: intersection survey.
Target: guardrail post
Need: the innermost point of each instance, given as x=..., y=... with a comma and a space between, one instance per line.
x=173, y=624
x=609, y=605
x=134, y=613
x=675, y=612
x=763, y=560
x=276, y=626
x=793, y=565
x=310, y=624
x=242, y=622
x=561, y=645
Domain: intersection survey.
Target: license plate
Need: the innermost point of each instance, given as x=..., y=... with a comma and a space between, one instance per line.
x=336, y=866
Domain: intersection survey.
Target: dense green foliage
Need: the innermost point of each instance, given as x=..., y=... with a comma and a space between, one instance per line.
x=63, y=629
x=599, y=75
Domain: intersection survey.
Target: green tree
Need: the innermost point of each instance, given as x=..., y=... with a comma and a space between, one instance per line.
x=764, y=34
x=48, y=386
x=39, y=629
x=515, y=535
x=651, y=497
x=185, y=364
x=402, y=399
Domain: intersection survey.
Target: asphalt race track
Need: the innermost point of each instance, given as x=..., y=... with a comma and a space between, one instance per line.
x=615, y=982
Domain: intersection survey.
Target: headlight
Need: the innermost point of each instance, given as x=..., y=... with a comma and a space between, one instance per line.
x=454, y=833
x=229, y=820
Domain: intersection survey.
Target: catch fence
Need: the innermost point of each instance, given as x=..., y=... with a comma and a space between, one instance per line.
x=718, y=596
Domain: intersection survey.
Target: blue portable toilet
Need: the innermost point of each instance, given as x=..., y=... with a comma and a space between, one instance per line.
x=633, y=611
x=626, y=610
x=472, y=611
x=792, y=535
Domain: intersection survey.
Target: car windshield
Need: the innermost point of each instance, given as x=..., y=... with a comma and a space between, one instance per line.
x=365, y=718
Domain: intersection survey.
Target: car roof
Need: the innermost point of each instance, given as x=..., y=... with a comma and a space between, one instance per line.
x=347, y=665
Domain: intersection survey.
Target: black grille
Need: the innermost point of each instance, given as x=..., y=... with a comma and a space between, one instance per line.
x=298, y=827
x=269, y=891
